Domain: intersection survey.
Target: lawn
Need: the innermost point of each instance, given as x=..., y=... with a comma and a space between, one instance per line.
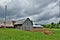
x=14, y=34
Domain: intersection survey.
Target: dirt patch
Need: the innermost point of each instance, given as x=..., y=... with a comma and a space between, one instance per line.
x=47, y=32
x=44, y=30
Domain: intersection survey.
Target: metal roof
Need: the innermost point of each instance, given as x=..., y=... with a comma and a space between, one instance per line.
x=37, y=26
x=20, y=21
x=8, y=22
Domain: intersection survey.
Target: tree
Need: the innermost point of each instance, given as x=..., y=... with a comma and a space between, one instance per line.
x=58, y=24
x=52, y=25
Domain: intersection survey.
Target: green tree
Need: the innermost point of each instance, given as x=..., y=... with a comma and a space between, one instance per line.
x=58, y=24
x=52, y=25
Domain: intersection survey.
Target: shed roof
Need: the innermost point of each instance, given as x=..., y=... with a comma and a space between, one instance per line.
x=37, y=26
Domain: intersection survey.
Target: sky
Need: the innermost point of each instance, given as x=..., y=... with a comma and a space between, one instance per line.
x=39, y=11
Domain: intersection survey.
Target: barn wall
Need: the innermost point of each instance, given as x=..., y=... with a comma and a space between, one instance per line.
x=37, y=28
x=27, y=25
x=18, y=26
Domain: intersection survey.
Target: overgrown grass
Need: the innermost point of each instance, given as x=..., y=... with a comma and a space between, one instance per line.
x=14, y=34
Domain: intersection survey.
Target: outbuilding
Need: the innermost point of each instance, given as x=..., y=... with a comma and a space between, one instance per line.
x=37, y=27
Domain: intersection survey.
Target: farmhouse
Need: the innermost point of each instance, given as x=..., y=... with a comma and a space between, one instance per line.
x=24, y=24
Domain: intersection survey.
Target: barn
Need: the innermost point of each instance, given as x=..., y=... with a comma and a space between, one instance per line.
x=24, y=24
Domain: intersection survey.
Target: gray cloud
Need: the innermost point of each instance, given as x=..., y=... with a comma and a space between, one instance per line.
x=37, y=10
x=1, y=12
x=48, y=13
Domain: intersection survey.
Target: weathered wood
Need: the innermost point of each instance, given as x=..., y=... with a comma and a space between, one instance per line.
x=26, y=25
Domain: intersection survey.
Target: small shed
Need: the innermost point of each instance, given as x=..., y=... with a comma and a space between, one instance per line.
x=24, y=24
x=37, y=27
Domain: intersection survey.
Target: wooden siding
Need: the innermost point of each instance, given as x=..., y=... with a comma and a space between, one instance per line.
x=27, y=25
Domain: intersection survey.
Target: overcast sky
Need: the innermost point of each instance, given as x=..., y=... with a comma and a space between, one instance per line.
x=39, y=11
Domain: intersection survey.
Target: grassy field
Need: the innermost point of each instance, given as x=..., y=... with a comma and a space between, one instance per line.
x=14, y=34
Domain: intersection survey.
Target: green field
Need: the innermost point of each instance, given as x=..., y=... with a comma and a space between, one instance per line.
x=14, y=34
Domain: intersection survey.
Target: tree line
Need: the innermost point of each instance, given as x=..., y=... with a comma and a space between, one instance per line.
x=52, y=25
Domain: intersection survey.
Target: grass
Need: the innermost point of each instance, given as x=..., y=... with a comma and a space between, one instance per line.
x=14, y=34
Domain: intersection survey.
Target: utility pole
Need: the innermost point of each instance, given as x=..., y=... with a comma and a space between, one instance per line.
x=59, y=5
x=5, y=16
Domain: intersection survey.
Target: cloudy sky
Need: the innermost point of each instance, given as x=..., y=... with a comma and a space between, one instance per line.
x=39, y=11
